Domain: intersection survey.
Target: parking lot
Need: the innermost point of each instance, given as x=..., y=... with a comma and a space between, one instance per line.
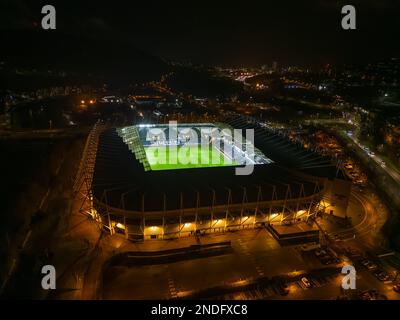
x=255, y=254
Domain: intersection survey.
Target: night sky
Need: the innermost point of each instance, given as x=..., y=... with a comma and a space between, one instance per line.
x=248, y=33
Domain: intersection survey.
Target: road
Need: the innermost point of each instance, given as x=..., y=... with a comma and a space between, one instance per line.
x=388, y=168
x=368, y=222
x=44, y=134
x=391, y=170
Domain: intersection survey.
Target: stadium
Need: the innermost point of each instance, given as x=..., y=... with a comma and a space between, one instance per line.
x=186, y=146
x=163, y=181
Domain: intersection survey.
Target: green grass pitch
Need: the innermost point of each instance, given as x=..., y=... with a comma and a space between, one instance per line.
x=185, y=157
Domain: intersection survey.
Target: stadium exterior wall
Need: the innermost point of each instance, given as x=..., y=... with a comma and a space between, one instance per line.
x=167, y=224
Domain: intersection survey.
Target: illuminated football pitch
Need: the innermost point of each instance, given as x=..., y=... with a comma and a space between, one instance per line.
x=186, y=157
x=186, y=146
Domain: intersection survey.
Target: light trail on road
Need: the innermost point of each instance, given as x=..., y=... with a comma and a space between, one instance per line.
x=378, y=160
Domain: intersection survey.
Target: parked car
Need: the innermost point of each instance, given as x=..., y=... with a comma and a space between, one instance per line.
x=372, y=295
x=365, y=295
x=365, y=262
x=371, y=266
x=381, y=275
x=377, y=272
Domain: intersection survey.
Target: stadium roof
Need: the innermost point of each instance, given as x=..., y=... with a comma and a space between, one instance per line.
x=291, y=155
x=125, y=181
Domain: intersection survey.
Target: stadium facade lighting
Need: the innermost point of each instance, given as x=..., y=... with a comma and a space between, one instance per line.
x=239, y=283
x=217, y=221
x=120, y=226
